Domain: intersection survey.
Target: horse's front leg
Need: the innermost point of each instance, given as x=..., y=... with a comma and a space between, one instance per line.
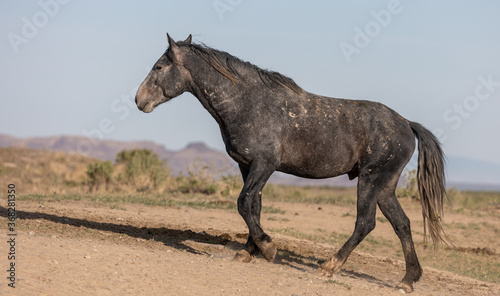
x=245, y=255
x=249, y=207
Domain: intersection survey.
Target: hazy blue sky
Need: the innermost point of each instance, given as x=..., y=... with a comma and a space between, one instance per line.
x=72, y=67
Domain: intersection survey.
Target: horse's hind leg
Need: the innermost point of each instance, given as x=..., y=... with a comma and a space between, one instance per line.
x=365, y=222
x=392, y=210
x=381, y=190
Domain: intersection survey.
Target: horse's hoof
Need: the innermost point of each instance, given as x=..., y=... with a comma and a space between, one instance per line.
x=404, y=287
x=243, y=256
x=268, y=250
x=323, y=272
x=329, y=268
x=325, y=269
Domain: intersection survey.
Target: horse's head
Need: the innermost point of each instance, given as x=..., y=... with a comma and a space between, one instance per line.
x=166, y=80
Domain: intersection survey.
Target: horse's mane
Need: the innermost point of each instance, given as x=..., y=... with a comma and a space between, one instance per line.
x=225, y=63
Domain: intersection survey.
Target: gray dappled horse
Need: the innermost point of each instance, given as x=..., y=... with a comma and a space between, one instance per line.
x=268, y=123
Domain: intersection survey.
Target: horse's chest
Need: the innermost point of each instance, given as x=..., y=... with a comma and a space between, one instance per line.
x=246, y=144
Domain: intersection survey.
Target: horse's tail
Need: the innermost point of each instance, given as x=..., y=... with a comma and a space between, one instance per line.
x=431, y=183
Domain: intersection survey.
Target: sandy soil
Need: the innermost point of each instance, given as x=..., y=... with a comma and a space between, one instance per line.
x=78, y=248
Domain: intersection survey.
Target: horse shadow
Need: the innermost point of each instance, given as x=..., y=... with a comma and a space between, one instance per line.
x=177, y=239
x=169, y=237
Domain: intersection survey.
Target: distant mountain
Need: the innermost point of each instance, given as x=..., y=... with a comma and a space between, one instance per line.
x=105, y=150
x=187, y=157
x=466, y=174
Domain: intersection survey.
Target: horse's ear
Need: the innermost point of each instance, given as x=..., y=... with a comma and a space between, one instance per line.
x=171, y=42
x=188, y=40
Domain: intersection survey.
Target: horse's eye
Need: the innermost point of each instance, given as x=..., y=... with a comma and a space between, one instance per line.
x=158, y=67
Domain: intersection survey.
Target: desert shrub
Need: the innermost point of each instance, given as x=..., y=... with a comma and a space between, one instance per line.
x=203, y=177
x=200, y=178
x=143, y=169
x=99, y=173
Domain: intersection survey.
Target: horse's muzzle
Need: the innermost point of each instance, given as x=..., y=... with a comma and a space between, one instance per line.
x=146, y=107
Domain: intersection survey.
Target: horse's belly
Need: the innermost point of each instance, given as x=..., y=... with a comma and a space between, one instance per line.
x=313, y=172
x=317, y=161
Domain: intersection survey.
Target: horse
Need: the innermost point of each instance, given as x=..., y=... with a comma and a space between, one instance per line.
x=268, y=123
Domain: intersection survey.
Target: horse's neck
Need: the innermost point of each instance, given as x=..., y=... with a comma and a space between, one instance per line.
x=218, y=95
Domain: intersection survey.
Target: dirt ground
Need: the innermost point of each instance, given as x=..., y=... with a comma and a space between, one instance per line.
x=80, y=248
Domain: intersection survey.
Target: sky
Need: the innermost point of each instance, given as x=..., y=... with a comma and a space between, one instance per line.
x=73, y=67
